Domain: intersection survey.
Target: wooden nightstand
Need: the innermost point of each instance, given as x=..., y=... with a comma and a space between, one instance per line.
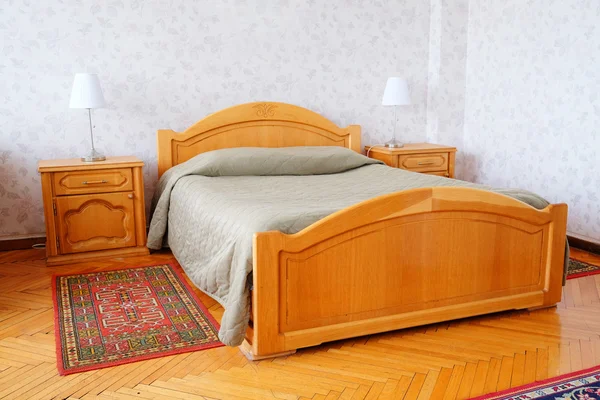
x=427, y=158
x=94, y=209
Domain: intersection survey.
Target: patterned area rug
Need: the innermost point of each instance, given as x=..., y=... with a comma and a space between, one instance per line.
x=580, y=385
x=577, y=269
x=109, y=318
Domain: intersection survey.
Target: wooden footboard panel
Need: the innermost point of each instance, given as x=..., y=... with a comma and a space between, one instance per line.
x=404, y=259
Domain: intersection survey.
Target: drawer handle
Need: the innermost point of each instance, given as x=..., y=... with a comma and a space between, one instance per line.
x=130, y=196
x=94, y=182
x=426, y=162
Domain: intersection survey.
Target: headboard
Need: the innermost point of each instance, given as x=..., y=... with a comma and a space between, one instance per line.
x=261, y=124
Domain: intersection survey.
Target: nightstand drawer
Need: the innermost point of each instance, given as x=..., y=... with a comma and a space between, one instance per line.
x=96, y=181
x=424, y=162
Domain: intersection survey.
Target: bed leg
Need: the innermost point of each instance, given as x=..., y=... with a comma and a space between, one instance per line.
x=246, y=348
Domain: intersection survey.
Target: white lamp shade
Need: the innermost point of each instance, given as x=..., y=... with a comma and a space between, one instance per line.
x=86, y=92
x=396, y=92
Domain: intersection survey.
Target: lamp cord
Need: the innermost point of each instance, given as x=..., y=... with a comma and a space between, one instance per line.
x=371, y=147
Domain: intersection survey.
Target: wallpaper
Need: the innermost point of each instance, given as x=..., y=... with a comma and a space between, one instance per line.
x=532, y=102
x=446, y=81
x=166, y=64
x=512, y=84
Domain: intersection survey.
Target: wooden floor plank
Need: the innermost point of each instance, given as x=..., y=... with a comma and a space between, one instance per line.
x=454, y=383
x=52, y=388
x=576, y=357
x=479, y=378
x=441, y=383
x=401, y=388
x=518, y=373
x=33, y=376
x=491, y=380
x=281, y=385
x=388, y=390
x=541, y=367
x=453, y=360
x=505, y=374
x=428, y=385
x=553, y=361
x=530, y=366
x=415, y=387
x=587, y=354
x=375, y=391
x=163, y=393
x=34, y=386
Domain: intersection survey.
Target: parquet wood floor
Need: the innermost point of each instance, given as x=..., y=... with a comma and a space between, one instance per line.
x=455, y=360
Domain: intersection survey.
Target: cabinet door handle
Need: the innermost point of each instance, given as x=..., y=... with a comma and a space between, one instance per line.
x=425, y=162
x=93, y=182
x=130, y=195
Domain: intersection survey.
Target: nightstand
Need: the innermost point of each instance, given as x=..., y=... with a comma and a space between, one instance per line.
x=427, y=158
x=93, y=210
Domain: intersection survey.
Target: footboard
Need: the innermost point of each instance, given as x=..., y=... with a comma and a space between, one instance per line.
x=400, y=260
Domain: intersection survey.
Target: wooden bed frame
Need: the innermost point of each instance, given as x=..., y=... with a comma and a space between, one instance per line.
x=404, y=259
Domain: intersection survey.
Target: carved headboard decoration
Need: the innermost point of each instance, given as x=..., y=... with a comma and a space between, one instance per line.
x=261, y=124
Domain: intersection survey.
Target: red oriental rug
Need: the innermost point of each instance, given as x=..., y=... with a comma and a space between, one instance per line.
x=103, y=319
x=580, y=385
x=578, y=269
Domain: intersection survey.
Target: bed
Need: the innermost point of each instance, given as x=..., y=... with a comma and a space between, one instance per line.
x=402, y=259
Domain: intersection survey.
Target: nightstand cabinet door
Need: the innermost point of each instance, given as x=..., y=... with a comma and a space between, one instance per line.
x=95, y=222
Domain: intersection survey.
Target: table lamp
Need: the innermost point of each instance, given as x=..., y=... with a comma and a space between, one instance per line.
x=87, y=93
x=395, y=94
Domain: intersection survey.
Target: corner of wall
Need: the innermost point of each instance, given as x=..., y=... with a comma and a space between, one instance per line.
x=446, y=86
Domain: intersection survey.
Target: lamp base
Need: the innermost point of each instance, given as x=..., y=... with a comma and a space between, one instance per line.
x=93, y=157
x=393, y=144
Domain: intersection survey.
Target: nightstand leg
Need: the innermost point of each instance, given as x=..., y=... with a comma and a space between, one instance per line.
x=139, y=207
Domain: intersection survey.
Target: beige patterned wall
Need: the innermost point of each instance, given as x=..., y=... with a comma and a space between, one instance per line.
x=512, y=84
x=166, y=64
x=533, y=103
x=446, y=76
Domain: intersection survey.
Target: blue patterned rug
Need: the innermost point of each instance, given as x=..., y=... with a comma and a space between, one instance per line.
x=580, y=385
